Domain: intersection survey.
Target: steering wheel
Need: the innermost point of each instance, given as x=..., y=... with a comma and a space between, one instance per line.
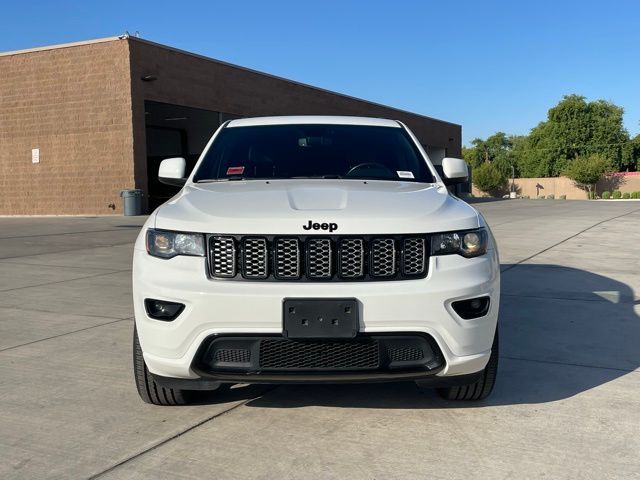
x=369, y=166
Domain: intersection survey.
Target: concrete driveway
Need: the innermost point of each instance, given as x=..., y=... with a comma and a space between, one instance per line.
x=567, y=402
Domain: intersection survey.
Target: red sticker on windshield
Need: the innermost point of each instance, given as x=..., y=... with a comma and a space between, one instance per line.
x=235, y=170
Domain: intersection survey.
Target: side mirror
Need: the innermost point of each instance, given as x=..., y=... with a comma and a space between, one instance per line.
x=455, y=171
x=172, y=170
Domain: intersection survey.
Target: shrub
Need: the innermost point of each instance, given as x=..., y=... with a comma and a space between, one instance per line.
x=586, y=171
x=626, y=195
x=635, y=194
x=541, y=197
x=525, y=197
x=488, y=178
x=562, y=197
x=591, y=195
x=617, y=194
x=551, y=197
x=606, y=195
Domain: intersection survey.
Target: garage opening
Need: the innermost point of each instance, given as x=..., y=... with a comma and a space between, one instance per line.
x=175, y=131
x=436, y=155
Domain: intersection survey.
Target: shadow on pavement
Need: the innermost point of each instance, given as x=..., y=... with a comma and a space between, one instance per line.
x=483, y=199
x=563, y=331
x=229, y=393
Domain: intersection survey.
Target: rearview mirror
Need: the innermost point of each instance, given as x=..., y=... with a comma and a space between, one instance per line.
x=455, y=171
x=172, y=170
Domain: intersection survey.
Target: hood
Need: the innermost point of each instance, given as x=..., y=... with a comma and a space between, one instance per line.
x=286, y=206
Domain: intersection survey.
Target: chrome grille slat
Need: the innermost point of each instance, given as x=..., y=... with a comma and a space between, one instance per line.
x=414, y=257
x=223, y=254
x=308, y=257
x=351, y=258
x=383, y=257
x=287, y=258
x=319, y=258
x=255, y=258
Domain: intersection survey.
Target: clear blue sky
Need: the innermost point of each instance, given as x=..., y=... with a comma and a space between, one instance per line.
x=487, y=65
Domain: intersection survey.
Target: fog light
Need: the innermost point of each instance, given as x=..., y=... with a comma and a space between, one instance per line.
x=476, y=304
x=161, y=310
x=472, y=308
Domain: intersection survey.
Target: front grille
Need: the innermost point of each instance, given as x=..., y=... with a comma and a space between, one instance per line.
x=276, y=354
x=404, y=353
x=302, y=258
x=280, y=354
x=233, y=355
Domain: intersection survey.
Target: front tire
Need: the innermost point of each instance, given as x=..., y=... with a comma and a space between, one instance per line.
x=480, y=389
x=148, y=389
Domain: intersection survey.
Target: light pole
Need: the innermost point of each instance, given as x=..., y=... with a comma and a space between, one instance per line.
x=513, y=181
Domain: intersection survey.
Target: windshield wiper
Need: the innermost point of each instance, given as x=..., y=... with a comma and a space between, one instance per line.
x=238, y=177
x=318, y=176
x=226, y=179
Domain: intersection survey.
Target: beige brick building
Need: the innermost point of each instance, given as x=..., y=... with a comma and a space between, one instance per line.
x=79, y=122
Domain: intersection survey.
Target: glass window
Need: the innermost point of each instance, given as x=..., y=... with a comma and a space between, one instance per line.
x=314, y=151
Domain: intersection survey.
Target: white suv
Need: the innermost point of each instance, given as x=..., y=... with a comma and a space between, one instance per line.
x=314, y=249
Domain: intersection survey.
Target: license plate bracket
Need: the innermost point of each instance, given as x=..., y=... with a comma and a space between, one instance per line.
x=320, y=318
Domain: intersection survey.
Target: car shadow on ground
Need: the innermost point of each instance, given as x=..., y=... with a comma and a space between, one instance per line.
x=563, y=331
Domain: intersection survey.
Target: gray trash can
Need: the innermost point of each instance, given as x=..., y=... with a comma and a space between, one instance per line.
x=132, y=202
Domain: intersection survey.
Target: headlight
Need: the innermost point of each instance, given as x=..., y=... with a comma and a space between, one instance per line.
x=471, y=243
x=165, y=244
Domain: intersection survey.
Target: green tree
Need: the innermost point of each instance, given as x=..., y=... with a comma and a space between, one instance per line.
x=472, y=156
x=488, y=178
x=574, y=127
x=631, y=153
x=496, y=149
x=585, y=171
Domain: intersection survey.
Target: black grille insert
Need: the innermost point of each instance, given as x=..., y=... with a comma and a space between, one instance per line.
x=280, y=354
x=276, y=355
x=232, y=355
x=404, y=353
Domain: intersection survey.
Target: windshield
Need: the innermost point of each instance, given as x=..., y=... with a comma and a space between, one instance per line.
x=313, y=151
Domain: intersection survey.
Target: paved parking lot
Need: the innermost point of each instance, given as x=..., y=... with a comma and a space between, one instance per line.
x=567, y=402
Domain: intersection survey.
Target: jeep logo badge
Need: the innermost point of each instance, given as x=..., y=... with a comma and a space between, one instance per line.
x=320, y=226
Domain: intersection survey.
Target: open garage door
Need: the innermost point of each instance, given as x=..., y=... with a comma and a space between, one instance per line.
x=175, y=131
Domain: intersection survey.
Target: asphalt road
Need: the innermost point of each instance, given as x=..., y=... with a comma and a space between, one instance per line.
x=567, y=402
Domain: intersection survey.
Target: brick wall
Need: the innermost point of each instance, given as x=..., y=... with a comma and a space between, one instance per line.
x=72, y=103
x=193, y=81
x=83, y=106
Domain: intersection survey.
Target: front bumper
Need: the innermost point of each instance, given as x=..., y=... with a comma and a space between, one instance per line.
x=214, y=307
x=274, y=359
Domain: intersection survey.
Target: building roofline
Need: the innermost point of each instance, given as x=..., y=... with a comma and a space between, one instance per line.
x=126, y=36
x=62, y=45
x=295, y=82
